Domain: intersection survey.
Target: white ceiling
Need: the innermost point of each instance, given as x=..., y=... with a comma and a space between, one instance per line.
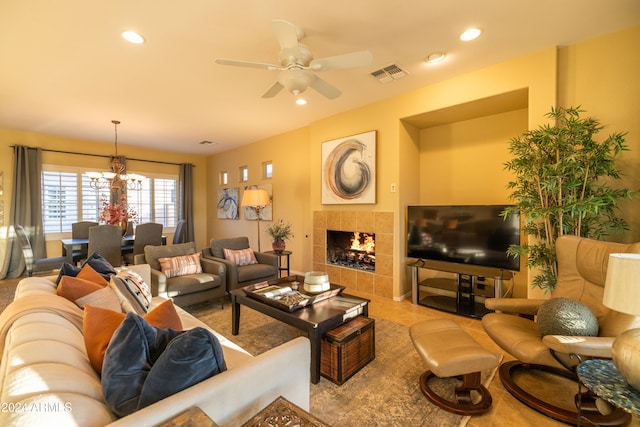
x=64, y=70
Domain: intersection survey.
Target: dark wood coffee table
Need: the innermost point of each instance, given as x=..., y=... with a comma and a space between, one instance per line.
x=314, y=320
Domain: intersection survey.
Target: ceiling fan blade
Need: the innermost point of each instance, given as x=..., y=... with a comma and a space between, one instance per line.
x=347, y=60
x=287, y=34
x=325, y=88
x=248, y=64
x=273, y=90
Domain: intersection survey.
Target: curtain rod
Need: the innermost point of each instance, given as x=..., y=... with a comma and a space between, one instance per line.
x=106, y=156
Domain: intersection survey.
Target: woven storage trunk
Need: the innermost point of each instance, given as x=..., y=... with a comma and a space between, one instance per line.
x=347, y=348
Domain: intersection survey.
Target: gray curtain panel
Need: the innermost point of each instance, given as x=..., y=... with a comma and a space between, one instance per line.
x=26, y=209
x=185, y=201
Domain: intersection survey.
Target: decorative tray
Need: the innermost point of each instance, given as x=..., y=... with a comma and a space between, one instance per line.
x=280, y=293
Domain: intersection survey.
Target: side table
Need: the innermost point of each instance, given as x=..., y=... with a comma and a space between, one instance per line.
x=280, y=256
x=603, y=378
x=191, y=417
x=281, y=412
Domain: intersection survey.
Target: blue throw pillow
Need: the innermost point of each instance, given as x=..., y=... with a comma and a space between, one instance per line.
x=96, y=261
x=101, y=265
x=67, y=270
x=191, y=357
x=144, y=364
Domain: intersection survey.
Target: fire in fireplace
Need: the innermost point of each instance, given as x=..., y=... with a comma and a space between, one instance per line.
x=351, y=249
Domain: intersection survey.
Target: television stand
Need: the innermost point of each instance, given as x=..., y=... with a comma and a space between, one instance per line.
x=463, y=295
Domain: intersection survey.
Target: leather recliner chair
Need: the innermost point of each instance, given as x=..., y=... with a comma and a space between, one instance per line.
x=582, y=268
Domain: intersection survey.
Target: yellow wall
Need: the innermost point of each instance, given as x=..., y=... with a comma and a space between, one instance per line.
x=12, y=137
x=601, y=76
x=463, y=162
x=289, y=154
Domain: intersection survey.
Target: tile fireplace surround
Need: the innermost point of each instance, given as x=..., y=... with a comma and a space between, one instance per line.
x=379, y=283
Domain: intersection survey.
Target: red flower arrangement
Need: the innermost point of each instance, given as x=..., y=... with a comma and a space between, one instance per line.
x=117, y=213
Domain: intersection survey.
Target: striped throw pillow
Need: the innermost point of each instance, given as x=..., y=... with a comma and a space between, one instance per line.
x=241, y=256
x=181, y=265
x=132, y=291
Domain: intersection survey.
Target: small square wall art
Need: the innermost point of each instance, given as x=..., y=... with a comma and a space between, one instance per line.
x=228, y=203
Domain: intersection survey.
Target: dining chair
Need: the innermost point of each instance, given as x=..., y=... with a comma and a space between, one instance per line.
x=180, y=235
x=149, y=233
x=106, y=240
x=80, y=230
x=127, y=247
x=32, y=264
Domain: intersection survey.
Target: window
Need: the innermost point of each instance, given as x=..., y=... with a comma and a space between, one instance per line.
x=267, y=170
x=224, y=178
x=67, y=197
x=156, y=201
x=244, y=174
x=59, y=201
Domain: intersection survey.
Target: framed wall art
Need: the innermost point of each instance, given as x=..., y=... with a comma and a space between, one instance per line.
x=228, y=203
x=349, y=170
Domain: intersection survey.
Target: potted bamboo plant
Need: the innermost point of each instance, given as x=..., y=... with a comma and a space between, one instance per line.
x=564, y=185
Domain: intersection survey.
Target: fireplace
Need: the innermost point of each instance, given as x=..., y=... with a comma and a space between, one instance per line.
x=351, y=249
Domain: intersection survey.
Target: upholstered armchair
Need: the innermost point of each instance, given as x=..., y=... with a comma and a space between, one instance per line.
x=239, y=274
x=582, y=268
x=175, y=273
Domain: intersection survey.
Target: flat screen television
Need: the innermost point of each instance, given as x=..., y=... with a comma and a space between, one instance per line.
x=472, y=235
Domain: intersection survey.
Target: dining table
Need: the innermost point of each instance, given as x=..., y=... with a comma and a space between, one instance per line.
x=69, y=245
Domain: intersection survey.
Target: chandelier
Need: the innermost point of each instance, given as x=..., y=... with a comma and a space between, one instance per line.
x=115, y=179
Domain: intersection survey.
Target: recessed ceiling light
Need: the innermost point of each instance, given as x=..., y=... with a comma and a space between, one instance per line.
x=133, y=37
x=470, y=34
x=301, y=101
x=435, y=57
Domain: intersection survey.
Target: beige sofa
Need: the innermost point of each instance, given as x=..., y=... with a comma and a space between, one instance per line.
x=46, y=377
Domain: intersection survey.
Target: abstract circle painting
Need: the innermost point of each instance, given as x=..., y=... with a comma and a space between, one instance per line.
x=348, y=168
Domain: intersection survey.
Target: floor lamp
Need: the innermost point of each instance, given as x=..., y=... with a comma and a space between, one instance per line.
x=257, y=199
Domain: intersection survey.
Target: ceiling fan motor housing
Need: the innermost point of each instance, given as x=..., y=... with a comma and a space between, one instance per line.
x=299, y=55
x=295, y=80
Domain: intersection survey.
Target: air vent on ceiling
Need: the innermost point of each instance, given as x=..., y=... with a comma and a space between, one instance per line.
x=389, y=73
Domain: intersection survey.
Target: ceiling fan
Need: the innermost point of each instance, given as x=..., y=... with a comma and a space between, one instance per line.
x=297, y=65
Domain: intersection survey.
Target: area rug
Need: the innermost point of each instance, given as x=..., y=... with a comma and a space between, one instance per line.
x=383, y=393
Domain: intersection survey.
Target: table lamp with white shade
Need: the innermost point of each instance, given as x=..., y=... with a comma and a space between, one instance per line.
x=257, y=199
x=622, y=294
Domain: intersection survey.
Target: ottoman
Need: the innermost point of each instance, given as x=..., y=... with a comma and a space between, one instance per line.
x=448, y=351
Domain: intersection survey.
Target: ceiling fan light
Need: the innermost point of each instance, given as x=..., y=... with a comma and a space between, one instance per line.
x=133, y=37
x=470, y=34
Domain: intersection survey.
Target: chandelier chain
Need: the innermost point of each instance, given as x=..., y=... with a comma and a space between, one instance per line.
x=116, y=179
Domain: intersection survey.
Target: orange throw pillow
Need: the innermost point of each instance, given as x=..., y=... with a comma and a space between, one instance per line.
x=100, y=324
x=88, y=273
x=73, y=288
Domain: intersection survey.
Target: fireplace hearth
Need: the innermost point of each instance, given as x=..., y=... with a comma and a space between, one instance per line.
x=351, y=249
